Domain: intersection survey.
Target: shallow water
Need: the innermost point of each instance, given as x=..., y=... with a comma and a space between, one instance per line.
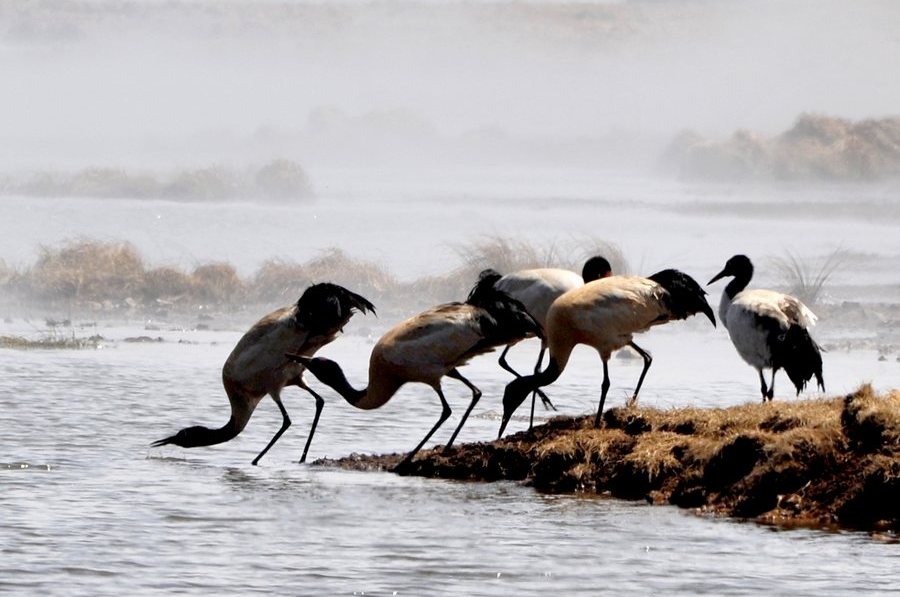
x=89, y=508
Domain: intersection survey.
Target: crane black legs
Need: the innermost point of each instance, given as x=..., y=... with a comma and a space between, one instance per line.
x=285, y=423
x=647, y=360
x=445, y=414
x=319, y=404
x=605, y=387
x=767, y=393
x=476, y=396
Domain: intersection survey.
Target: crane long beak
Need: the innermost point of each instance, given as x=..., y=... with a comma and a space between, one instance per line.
x=718, y=276
x=163, y=442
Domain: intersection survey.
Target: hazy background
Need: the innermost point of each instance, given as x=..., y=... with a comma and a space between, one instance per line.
x=368, y=84
x=398, y=131
x=175, y=140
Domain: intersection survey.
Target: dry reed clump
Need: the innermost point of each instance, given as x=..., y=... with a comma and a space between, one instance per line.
x=85, y=270
x=283, y=179
x=277, y=180
x=507, y=255
x=217, y=283
x=806, y=280
x=279, y=280
x=166, y=285
x=816, y=147
x=93, y=273
x=826, y=462
x=111, y=275
x=203, y=184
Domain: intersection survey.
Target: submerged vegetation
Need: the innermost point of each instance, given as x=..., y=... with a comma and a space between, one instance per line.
x=824, y=463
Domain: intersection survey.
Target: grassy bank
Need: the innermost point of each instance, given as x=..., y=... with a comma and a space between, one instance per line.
x=832, y=463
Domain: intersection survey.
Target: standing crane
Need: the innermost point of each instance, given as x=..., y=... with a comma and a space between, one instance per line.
x=257, y=365
x=769, y=329
x=429, y=346
x=537, y=289
x=605, y=314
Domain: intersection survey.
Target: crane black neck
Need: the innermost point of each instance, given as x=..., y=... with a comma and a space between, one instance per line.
x=739, y=282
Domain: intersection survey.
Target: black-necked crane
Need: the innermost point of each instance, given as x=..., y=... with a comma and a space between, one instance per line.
x=605, y=314
x=537, y=289
x=257, y=366
x=431, y=345
x=769, y=329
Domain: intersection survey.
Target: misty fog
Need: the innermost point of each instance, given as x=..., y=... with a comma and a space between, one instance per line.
x=348, y=84
x=562, y=123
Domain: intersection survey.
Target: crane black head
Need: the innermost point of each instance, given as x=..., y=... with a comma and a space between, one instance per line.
x=595, y=268
x=326, y=308
x=513, y=396
x=685, y=296
x=741, y=269
x=738, y=266
x=189, y=437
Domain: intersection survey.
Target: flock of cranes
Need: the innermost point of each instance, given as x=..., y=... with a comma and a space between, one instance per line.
x=770, y=330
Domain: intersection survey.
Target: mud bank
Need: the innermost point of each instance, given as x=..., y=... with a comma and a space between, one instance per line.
x=830, y=463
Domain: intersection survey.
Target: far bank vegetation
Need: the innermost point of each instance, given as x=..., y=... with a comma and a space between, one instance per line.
x=85, y=276
x=277, y=180
x=816, y=147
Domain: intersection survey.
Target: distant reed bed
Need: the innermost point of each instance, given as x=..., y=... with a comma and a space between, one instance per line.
x=97, y=276
x=816, y=147
x=276, y=180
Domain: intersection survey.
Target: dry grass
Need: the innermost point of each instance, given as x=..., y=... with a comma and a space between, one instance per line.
x=97, y=275
x=285, y=280
x=49, y=342
x=217, y=283
x=827, y=462
x=817, y=147
x=277, y=180
x=507, y=255
x=807, y=280
x=84, y=270
x=166, y=284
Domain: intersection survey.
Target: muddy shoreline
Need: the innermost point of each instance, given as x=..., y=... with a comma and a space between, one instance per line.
x=827, y=463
